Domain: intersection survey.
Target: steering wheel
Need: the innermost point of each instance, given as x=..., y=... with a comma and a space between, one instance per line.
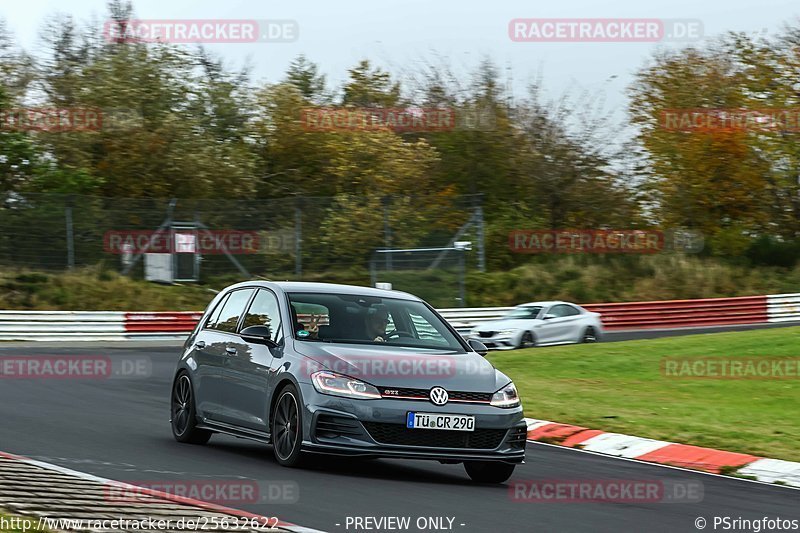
x=398, y=334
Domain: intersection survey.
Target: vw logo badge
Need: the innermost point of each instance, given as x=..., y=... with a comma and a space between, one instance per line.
x=439, y=396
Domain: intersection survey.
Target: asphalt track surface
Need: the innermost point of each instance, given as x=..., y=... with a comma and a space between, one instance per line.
x=118, y=429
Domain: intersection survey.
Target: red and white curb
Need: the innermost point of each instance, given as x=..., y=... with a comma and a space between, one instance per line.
x=22, y=477
x=665, y=453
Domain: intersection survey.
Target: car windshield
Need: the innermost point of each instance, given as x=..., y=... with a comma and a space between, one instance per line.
x=525, y=311
x=358, y=319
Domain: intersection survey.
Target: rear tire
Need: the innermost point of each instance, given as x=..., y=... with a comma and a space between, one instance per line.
x=489, y=471
x=286, y=427
x=589, y=335
x=183, y=415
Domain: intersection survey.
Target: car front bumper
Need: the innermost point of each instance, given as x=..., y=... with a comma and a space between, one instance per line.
x=497, y=342
x=377, y=428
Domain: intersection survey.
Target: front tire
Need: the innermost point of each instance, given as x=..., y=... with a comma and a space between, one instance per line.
x=527, y=340
x=183, y=414
x=489, y=471
x=287, y=427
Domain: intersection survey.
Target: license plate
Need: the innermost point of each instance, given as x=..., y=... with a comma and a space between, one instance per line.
x=439, y=421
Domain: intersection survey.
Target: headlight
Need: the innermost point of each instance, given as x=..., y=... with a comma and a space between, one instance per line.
x=507, y=332
x=506, y=397
x=338, y=385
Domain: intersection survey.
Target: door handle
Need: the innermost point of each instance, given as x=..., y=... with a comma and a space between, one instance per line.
x=200, y=345
x=231, y=350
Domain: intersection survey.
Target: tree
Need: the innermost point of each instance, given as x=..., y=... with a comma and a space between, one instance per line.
x=305, y=76
x=187, y=135
x=368, y=87
x=18, y=153
x=716, y=179
x=382, y=178
x=290, y=158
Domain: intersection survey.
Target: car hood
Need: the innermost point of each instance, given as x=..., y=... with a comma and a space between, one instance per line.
x=508, y=323
x=386, y=366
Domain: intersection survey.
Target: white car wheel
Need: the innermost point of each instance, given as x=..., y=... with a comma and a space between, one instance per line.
x=589, y=335
x=527, y=340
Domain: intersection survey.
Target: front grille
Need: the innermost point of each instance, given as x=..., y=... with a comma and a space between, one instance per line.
x=471, y=396
x=396, y=434
x=404, y=392
x=335, y=426
x=423, y=394
x=486, y=334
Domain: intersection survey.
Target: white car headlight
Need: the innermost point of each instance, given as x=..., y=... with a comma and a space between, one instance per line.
x=506, y=397
x=338, y=385
x=507, y=332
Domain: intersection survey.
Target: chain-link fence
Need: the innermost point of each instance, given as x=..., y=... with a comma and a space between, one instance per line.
x=287, y=238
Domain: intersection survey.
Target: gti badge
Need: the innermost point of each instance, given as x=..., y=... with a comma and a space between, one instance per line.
x=439, y=396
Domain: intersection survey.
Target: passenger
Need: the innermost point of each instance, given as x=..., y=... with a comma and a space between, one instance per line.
x=313, y=327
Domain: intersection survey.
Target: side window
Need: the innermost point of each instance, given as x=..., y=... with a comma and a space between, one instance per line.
x=213, y=318
x=563, y=310
x=425, y=330
x=232, y=310
x=264, y=311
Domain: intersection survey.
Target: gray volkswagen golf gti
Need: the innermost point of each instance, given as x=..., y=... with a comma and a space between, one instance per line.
x=338, y=369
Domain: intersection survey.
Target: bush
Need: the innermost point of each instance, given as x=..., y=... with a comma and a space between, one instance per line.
x=769, y=251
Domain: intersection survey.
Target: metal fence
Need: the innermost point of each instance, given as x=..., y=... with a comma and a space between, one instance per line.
x=676, y=314
x=287, y=238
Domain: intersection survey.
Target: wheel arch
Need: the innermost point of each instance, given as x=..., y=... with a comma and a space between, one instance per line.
x=283, y=380
x=179, y=371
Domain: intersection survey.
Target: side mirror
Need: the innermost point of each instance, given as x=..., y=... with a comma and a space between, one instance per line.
x=478, y=346
x=258, y=335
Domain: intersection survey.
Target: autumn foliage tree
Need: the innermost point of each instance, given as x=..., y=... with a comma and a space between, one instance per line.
x=731, y=181
x=183, y=124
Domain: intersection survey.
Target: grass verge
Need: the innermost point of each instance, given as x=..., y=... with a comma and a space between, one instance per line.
x=94, y=289
x=620, y=387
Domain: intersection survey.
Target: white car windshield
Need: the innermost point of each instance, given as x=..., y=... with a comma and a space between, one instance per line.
x=525, y=311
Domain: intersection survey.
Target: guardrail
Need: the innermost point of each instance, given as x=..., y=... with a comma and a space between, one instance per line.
x=61, y=325
x=160, y=322
x=95, y=325
x=683, y=313
x=107, y=326
x=783, y=307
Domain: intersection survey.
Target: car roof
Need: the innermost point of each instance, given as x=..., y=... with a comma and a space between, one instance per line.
x=325, y=288
x=547, y=303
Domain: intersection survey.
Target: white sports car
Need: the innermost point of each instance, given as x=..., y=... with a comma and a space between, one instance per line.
x=540, y=324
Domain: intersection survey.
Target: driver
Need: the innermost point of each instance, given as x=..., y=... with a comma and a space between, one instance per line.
x=375, y=323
